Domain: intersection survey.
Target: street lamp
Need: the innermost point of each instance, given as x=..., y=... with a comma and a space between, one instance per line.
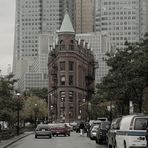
x=63, y=118
x=18, y=113
x=51, y=108
x=35, y=114
x=63, y=105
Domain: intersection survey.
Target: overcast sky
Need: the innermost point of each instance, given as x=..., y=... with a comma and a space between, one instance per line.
x=7, y=21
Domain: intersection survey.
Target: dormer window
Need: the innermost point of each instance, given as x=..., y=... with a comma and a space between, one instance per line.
x=61, y=42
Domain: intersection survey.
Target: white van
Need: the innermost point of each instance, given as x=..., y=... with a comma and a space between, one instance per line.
x=132, y=132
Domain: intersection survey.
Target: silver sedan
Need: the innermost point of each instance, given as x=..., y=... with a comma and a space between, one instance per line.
x=43, y=130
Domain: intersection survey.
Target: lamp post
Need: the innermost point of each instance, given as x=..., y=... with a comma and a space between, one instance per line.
x=18, y=113
x=35, y=114
x=51, y=108
x=63, y=114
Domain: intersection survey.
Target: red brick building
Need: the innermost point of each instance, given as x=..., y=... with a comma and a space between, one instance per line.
x=71, y=75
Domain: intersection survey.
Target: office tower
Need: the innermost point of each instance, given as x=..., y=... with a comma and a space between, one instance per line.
x=124, y=20
x=99, y=42
x=37, y=75
x=34, y=17
x=84, y=16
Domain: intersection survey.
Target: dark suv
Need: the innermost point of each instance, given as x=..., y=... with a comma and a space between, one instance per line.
x=111, y=135
x=101, y=135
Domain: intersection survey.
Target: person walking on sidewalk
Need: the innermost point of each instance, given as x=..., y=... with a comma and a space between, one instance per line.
x=82, y=128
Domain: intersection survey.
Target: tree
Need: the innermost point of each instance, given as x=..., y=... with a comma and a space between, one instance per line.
x=41, y=93
x=7, y=102
x=30, y=109
x=127, y=77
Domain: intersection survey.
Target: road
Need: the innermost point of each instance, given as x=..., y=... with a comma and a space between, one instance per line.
x=74, y=141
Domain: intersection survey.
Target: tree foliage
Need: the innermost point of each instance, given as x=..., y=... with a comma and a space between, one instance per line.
x=127, y=77
x=32, y=105
x=41, y=93
x=7, y=101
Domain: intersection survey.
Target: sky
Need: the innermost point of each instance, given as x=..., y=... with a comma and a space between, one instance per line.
x=7, y=23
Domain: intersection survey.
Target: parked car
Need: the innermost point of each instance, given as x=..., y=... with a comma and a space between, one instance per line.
x=93, y=132
x=69, y=126
x=102, y=118
x=60, y=129
x=43, y=130
x=132, y=132
x=92, y=123
x=101, y=135
x=73, y=124
x=111, y=135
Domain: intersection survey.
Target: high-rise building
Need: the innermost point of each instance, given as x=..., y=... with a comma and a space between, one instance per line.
x=124, y=20
x=37, y=74
x=84, y=16
x=99, y=42
x=34, y=17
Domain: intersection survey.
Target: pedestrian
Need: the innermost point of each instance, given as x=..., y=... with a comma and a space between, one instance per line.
x=82, y=127
x=88, y=129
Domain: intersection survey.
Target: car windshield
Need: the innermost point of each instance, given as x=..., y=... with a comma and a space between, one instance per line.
x=58, y=125
x=95, y=128
x=42, y=127
x=141, y=123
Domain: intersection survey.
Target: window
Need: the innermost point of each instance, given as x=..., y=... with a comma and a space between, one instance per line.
x=141, y=124
x=71, y=66
x=62, y=80
x=70, y=79
x=62, y=66
x=71, y=96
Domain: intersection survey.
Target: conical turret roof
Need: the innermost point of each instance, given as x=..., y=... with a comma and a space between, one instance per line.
x=66, y=26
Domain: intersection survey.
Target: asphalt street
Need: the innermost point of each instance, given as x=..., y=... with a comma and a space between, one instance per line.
x=74, y=141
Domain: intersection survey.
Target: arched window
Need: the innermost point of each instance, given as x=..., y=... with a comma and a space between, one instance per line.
x=71, y=45
x=62, y=45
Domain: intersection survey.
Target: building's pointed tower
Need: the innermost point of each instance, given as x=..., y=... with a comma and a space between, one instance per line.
x=69, y=65
x=66, y=33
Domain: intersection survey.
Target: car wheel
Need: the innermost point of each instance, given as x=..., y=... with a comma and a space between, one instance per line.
x=65, y=135
x=91, y=138
x=109, y=146
x=99, y=141
x=115, y=145
x=125, y=145
x=50, y=136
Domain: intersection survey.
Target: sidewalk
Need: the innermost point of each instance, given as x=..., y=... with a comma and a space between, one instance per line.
x=6, y=143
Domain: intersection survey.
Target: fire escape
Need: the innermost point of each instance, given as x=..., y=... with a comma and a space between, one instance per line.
x=89, y=79
x=53, y=85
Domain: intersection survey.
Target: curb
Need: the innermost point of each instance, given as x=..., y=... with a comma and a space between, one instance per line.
x=15, y=140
